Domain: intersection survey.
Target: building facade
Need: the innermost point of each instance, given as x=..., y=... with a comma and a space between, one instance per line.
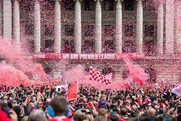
x=99, y=26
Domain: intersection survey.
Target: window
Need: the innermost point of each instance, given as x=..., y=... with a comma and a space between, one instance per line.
x=88, y=46
x=48, y=46
x=49, y=43
x=69, y=46
x=69, y=30
x=129, y=5
x=88, y=30
x=108, y=30
x=148, y=5
x=109, y=46
x=69, y=5
x=89, y=5
x=150, y=48
x=109, y=5
x=129, y=30
x=49, y=30
x=129, y=47
x=149, y=30
x=29, y=30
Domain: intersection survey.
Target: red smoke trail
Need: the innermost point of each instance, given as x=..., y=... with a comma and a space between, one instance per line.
x=19, y=63
x=136, y=72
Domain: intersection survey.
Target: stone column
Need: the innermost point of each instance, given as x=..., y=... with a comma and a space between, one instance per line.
x=1, y=18
x=7, y=19
x=139, y=26
x=57, y=26
x=98, y=28
x=119, y=22
x=160, y=29
x=77, y=30
x=37, y=26
x=178, y=26
x=16, y=20
x=169, y=27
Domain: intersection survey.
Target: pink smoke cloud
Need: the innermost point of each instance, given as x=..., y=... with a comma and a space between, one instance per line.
x=136, y=72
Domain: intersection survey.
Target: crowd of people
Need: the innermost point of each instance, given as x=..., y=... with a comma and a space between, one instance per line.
x=131, y=104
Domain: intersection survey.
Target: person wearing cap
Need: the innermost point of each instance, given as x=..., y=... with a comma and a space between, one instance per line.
x=14, y=103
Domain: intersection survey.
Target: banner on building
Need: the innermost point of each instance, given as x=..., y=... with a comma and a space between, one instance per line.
x=72, y=56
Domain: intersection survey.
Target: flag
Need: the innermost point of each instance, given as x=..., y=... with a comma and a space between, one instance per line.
x=177, y=90
x=109, y=76
x=73, y=91
x=61, y=89
x=95, y=75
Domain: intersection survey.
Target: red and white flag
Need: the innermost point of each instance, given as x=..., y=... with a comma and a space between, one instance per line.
x=177, y=90
x=95, y=75
x=109, y=76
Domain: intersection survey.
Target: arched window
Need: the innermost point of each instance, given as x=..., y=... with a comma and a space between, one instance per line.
x=151, y=75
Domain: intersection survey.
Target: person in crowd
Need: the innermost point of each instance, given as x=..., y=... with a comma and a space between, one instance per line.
x=19, y=111
x=124, y=114
x=114, y=118
x=80, y=117
x=102, y=114
x=12, y=116
x=131, y=104
x=37, y=115
x=59, y=106
x=103, y=103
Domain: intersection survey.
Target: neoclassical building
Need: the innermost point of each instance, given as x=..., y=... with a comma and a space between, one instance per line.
x=90, y=27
